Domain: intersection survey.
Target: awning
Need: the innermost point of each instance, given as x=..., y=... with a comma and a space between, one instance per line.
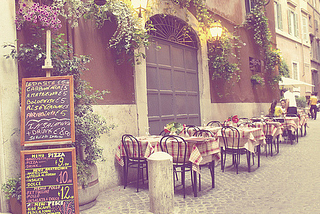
x=293, y=82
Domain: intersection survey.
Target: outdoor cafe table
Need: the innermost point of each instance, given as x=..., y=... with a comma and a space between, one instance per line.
x=250, y=138
x=201, y=150
x=273, y=129
x=303, y=122
x=289, y=123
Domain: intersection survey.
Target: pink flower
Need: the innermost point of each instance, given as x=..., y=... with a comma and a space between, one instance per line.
x=235, y=119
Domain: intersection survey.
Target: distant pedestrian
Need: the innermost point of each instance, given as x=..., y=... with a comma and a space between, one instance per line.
x=313, y=105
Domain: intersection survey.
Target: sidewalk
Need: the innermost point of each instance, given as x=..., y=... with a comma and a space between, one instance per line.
x=285, y=183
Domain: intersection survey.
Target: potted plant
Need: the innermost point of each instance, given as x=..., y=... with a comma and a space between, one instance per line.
x=257, y=80
x=174, y=128
x=89, y=126
x=12, y=191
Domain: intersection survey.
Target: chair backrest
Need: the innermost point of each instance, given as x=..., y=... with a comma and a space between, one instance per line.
x=164, y=133
x=191, y=129
x=203, y=133
x=214, y=123
x=131, y=146
x=291, y=115
x=176, y=146
x=268, y=136
x=247, y=124
x=280, y=120
x=244, y=120
x=230, y=136
x=254, y=119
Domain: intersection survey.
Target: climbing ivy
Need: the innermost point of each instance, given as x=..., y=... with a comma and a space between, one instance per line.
x=257, y=21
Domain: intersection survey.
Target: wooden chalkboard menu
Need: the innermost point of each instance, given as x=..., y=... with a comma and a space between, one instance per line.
x=47, y=110
x=49, y=181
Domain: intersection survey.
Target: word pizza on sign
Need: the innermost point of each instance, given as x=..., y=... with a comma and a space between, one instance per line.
x=49, y=181
x=47, y=109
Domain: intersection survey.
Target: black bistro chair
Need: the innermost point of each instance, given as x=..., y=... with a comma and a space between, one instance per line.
x=164, y=133
x=231, y=140
x=191, y=129
x=215, y=123
x=206, y=133
x=270, y=142
x=173, y=144
x=291, y=135
x=133, y=159
x=246, y=124
x=244, y=120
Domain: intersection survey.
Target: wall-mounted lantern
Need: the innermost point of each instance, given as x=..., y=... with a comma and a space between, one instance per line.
x=139, y=5
x=216, y=31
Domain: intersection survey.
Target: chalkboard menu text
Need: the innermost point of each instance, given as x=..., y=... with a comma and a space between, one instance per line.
x=47, y=110
x=49, y=181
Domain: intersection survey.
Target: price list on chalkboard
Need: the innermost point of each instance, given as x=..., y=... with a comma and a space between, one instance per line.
x=49, y=181
x=47, y=109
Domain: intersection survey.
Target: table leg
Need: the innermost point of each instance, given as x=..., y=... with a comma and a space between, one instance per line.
x=248, y=159
x=259, y=151
x=211, y=165
x=195, y=191
x=278, y=144
x=222, y=166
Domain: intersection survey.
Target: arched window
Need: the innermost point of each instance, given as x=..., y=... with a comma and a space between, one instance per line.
x=173, y=29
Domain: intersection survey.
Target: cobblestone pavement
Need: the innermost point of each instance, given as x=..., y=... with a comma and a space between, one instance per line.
x=285, y=183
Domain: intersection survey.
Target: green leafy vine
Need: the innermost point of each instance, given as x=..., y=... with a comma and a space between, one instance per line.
x=219, y=51
x=257, y=21
x=218, y=55
x=130, y=34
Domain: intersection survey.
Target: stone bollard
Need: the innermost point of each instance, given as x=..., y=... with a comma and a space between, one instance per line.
x=161, y=190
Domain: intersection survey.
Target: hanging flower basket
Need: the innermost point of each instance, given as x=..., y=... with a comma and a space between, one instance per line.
x=100, y=2
x=257, y=80
x=37, y=14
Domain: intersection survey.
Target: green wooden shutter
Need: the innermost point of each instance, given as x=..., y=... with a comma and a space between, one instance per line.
x=289, y=23
x=304, y=29
x=295, y=21
x=280, y=16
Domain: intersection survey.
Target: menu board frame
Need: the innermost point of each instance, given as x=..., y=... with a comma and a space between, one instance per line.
x=56, y=152
x=23, y=110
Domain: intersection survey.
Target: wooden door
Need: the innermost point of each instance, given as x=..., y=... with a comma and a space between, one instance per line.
x=172, y=85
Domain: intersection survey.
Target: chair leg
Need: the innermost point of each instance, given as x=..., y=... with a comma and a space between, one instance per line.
x=138, y=177
x=199, y=182
x=211, y=167
x=237, y=156
x=278, y=144
x=175, y=174
x=125, y=173
x=248, y=159
x=266, y=148
x=223, y=160
x=183, y=173
x=259, y=153
x=142, y=174
x=194, y=186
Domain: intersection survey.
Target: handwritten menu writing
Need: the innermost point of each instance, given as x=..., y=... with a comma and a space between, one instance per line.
x=47, y=109
x=49, y=181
